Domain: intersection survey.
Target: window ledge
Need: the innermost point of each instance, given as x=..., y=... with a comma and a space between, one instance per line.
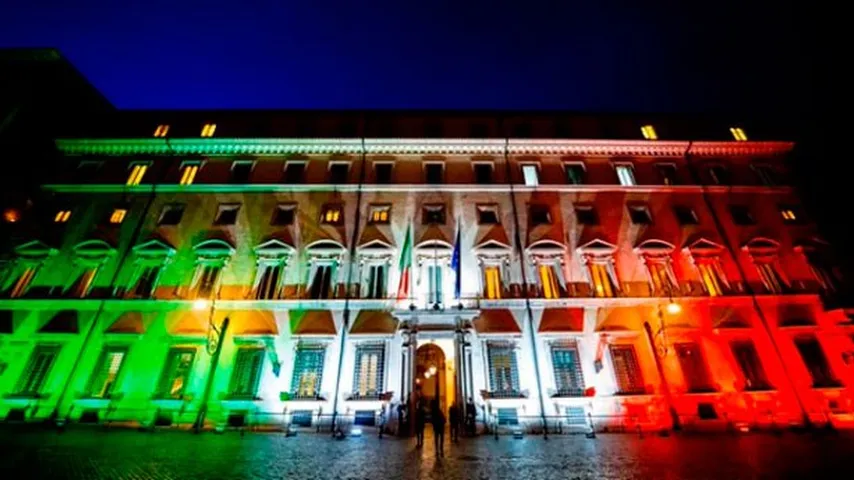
x=26, y=396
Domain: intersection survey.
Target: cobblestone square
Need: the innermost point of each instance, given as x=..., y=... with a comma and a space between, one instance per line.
x=117, y=454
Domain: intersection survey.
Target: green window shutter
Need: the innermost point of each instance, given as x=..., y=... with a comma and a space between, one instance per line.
x=176, y=373
x=37, y=370
x=106, y=373
x=247, y=372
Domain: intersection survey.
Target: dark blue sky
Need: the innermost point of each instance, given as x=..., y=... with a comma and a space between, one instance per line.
x=594, y=55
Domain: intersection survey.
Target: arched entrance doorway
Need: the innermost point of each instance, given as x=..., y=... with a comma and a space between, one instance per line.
x=431, y=375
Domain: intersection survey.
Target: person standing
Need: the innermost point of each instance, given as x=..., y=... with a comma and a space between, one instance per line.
x=420, y=420
x=437, y=418
x=471, y=415
x=454, y=420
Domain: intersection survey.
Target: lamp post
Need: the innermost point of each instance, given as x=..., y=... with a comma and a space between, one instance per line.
x=214, y=348
x=659, y=352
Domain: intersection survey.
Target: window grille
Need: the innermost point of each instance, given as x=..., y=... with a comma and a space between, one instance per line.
x=246, y=373
x=176, y=373
x=106, y=373
x=503, y=370
x=370, y=364
x=627, y=370
x=38, y=369
x=569, y=378
x=308, y=371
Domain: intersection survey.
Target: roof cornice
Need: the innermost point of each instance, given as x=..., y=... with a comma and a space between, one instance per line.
x=413, y=146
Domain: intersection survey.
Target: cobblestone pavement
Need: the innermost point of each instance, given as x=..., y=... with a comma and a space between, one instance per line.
x=117, y=454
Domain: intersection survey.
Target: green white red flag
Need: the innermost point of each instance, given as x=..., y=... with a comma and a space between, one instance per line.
x=405, y=266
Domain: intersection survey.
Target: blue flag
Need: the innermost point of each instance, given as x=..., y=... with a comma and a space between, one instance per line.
x=455, y=264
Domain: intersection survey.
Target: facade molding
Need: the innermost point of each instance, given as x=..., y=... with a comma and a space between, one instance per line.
x=415, y=146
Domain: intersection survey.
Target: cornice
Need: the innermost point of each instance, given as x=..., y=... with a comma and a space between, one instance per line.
x=413, y=146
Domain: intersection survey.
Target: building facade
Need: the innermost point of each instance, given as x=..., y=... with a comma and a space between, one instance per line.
x=305, y=269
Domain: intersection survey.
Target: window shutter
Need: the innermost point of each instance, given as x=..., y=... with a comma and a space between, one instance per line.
x=37, y=370
x=503, y=370
x=627, y=370
x=567, y=369
x=247, y=372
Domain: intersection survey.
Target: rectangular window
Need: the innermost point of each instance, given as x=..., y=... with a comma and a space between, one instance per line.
x=433, y=214
x=667, y=173
x=639, y=214
x=332, y=215
x=376, y=281
x=741, y=215
x=600, y=279
x=370, y=365
x=738, y=134
x=208, y=130
x=269, y=280
x=685, y=215
x=661, y=276
x=492, y=282
x=161, y=131
x=137, y=171
x=434, y=284
x=241, y=171
x=171, y=214
x=711, y=276
x=766, y=175
x=483, y=173
x=118, y=216
x=548, y=280
x=586, y=215
x=284, y=215
x=719, y=175
x=434, y=173
x=503, y=371
x=339, y=172
x=530, y=175
x=625, y=175
x=694, y=367
x=487, y=214
x=751, y=367
x=82, y=285
x=627, y=370
x=38, y=368
x=208, y=279
x=379, y=214
x=648, y=132
x=226, y=214
x=294, y=172
x=103, y=380
x=321, y=283
x=62, y=216
x=569, y=378
x=791, y=215
x=308, y=371
x=246, y=373
x=22, y=284
x=771, y=277
x=382, y=172
x=188, y=172
x=539, y=214
x=574, y=173
x=816, y=362
x=146, y=283
x=507, y=416
x=176, y=373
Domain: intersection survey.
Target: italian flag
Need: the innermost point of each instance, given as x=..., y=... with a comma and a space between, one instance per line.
x=405, y=266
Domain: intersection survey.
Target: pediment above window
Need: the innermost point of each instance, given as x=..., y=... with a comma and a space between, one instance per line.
x=93, y=250
x=434, y=245
x=213, y=248
x=762, y=245
x=328, y=249
x=655, y=248
x=597, y=247
x=35, y=250
x=704, y=246
x=274, y=248
x=549, y=248
x=154, y=248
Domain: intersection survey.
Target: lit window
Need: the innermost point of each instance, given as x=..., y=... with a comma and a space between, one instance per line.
x=685, y=215
x=661, y=276
x=648, y=132
x=586, y=215
x=492, y=282
x=602, y=277
x=24, y=280
x=62, y=216
x=226, y=214
x=82, y=285
x=137, y=171
x=625, y=175
x=433, y=214
x=483, y=173
x=379, y=214
x=102, y=383
x=284, y=215
x=208, y=130
x=118, y=215
x=332, y=215
x=11, y=215
x=368, y=379
x=487, y=214
x=711, y=275
x=790, y=214
x=308, y=371
x=539, y=214
x=503, y=369
x=171, y=214
x=574, y=173
x=639, y=214
x=176, y=373
x=529, y=173
x=738, y=134
x=188, y=172
x=338, y=172
x=161, y=131
x=548, y=280
x=434, y=173
x=246, y=373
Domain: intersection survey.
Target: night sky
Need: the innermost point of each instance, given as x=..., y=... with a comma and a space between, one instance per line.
x=596, y=55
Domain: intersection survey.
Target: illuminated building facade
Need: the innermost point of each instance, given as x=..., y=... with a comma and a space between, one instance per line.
x=633, y=273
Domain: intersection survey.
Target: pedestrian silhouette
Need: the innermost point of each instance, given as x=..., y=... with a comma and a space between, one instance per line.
x=454, y=420
x=420, y=420
x=437, y=418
